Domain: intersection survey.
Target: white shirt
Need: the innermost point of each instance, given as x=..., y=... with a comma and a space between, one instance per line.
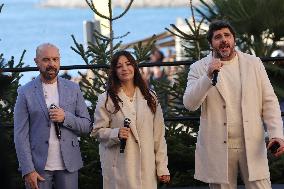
x=54, y=158
x=131, y=103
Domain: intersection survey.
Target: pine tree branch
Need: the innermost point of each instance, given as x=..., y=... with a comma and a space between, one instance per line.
x=80, y=50
x=1, y=6
x=21, y=63
x=100, y=36
x=208, y=8
x=11, y=62
x=189, y=25
x=192, y=14
x=122, y=36
x=181, y=32
x=142, y=52
x=92, y=6
x=111, y=32
x=125, y=11
x=175, y=34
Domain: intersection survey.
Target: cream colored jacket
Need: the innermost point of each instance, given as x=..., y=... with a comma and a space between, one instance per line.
x=259, y=105
x=145, y=155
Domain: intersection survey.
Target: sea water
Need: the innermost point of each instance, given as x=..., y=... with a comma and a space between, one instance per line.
x=25, y=25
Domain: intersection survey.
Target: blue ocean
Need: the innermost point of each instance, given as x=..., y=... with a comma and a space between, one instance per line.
x=24, y=25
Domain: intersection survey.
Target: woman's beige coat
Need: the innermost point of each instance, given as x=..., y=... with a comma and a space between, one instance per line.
x=259, y=104
x=145, y=155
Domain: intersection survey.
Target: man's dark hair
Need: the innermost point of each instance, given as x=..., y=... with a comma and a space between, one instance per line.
x=217, y=25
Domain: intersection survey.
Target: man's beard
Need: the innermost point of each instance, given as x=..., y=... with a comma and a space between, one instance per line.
x=225, y=54
x=47, y=76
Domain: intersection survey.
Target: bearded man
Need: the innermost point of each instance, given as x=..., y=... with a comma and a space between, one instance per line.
x=50, y=113
x=234, y=110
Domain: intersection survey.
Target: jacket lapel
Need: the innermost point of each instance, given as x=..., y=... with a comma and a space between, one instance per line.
x=62, y=92
x=219, y=86
x=38, y=90
x=244, y=72
x=141, y=103
x=127, y=114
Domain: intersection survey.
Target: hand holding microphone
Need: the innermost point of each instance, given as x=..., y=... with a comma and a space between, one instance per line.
x=124, y=133
x=214, y=68
x=56, y=115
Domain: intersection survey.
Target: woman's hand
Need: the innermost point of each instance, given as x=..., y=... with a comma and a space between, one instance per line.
x=164, y=178
x=123, y=133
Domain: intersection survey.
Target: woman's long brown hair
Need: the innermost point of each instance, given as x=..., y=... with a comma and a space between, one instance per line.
x=113, y=83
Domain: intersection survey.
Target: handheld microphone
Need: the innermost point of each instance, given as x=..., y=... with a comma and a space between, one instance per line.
x=56, y=124
x=126, y=124
x=214, y=78
x=215, y=72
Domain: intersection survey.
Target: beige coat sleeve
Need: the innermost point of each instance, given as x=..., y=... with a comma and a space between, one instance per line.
x=197, y=87
x=270, y=106
x=160, y=145
x=102, y=129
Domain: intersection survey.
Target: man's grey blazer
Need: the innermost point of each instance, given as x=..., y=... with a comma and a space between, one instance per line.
x=32, y=125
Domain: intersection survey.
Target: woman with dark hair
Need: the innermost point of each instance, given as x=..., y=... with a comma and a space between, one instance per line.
x=144, y=161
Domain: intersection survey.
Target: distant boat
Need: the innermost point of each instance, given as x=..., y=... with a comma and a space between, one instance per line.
x=121, y=3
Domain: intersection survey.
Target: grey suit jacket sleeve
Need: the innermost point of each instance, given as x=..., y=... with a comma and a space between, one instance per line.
x=80, y=121
x=21, y=134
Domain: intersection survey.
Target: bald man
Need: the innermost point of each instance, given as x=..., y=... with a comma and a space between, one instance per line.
x=50, y=113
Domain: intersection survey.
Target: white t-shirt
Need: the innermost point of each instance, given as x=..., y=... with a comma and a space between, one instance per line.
x=54, y=157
